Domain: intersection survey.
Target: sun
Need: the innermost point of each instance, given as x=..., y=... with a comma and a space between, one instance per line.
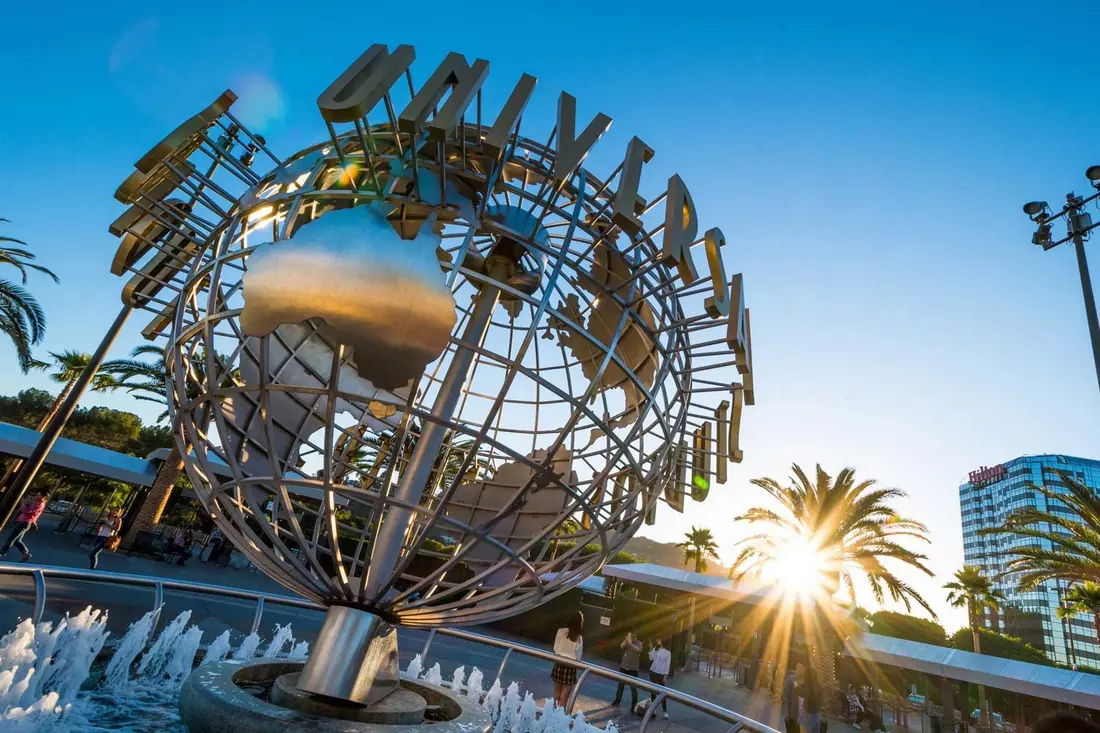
x=799, y=567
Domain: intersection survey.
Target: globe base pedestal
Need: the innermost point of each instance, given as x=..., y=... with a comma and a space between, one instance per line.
x=354, y=658
x=240, y=696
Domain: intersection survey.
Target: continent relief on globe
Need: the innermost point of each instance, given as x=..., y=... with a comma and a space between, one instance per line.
x=635, y=347
x=383, y=296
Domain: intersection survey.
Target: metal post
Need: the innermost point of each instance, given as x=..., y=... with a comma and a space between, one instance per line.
x=391, y=535
x=1090, y=300
x=11, y=498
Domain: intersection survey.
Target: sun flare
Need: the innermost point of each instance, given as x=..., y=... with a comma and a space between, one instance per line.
x=799, y=567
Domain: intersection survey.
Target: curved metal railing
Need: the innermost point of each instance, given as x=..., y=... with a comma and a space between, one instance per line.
x=39, y=573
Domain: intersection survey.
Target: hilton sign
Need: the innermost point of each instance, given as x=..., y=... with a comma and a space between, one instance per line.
x=987, y=475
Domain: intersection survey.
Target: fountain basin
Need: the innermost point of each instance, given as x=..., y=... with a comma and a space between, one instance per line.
x=258, y=696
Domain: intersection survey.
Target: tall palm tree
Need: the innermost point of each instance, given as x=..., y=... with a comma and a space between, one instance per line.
x=1082, y=598
x=21, y=317
x=698, y=545
x=1068, y=543
x=974, y=592
x=849, y=527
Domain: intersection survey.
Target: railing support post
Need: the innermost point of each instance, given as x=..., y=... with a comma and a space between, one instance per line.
x=39, y=596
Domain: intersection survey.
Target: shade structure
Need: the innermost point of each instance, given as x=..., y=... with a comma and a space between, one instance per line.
x=1049, y=683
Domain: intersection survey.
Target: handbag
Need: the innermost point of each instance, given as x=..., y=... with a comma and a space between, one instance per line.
x=112, y=543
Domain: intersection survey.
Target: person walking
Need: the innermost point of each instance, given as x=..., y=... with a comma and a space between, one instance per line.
x=106, y=534
x=569, y=644
x=660, y=660
x=630, y=664
x=790, y=698
x=811, y=701
x=25, y=519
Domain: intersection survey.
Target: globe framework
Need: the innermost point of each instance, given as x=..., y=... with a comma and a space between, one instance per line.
x=397, y=393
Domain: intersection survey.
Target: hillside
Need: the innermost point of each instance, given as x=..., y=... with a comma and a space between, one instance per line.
x=667, y=554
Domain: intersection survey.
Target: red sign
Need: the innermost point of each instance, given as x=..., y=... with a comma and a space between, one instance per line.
x=988, y=474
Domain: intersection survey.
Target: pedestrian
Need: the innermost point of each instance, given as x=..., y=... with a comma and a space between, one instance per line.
x=811, y=701
x=632, y=652
x=660, y=660
x=569, y=644
x=25, y=519
x=790, y=698
x=106, y=535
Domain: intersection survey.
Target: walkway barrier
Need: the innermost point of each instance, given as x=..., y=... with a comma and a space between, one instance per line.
x=737, y=723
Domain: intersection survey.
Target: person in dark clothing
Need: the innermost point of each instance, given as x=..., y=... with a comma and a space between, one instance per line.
x=1064, y=721
x=790, y=698
x=810, y=691
x=631, y=662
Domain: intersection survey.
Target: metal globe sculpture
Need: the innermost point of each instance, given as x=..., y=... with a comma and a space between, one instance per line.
x=432, y=371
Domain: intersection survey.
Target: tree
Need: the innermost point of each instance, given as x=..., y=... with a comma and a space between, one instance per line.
x=972, y=591
x=1083, y=598
x=145, y=380
x=698, y=545
x=1068, y=546
x=846, y=529
x=849, y=527
x=1000, y=645
x=904, y=626
x=21, y=317
x=66, y=367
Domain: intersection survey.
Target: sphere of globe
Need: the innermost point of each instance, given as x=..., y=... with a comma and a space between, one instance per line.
x=420, y=401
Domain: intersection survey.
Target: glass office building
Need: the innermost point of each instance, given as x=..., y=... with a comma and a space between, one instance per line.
x=988, y=497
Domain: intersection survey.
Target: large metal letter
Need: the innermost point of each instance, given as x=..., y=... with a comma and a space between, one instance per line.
x=365, y=83
x=700, y=463
x=735, y=452
x=184, y=135
x=455, y=74
x=736, y=331
x=628, y=204
x=674, y=489
x=681, y=225
x=749, y=385
x=572, y=150
x=721, y=416
x=717, y=305
x=496, y=140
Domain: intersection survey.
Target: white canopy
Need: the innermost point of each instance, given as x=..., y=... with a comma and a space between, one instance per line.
x=1050, y=683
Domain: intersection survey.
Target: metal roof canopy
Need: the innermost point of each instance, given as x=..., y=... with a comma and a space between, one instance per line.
x=18, y=441
x=692, y=582
x=1024, y=678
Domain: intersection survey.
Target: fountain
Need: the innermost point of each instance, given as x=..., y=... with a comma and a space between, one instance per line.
x=49, y=681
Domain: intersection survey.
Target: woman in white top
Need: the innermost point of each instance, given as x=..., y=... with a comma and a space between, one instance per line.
x=569, y=644
x=105, y=532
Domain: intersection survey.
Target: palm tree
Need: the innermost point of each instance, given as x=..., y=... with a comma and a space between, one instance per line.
x=21, y=317
x=849, y=527
x=698, y=545
x=67, y=366
x=1062, y=545
x=974, y=592
x=839, y=529
x=1082, y=598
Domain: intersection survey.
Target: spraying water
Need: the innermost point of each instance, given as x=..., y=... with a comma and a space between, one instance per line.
x=300, y=651
x=248, y=647
x=434, y=676
x=117, y=673
x=283, y=635
x=458, y=678
x=219, y=649
x=154, y=662
x=182, y=658
x=473, y=685
x=415, y=666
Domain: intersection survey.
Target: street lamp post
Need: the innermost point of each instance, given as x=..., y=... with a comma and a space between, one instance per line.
x=1078, y=227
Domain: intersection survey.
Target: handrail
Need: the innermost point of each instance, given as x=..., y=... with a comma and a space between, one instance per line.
x=40, y=573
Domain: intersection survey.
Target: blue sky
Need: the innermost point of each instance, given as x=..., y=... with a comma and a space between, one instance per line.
x=866, y=164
